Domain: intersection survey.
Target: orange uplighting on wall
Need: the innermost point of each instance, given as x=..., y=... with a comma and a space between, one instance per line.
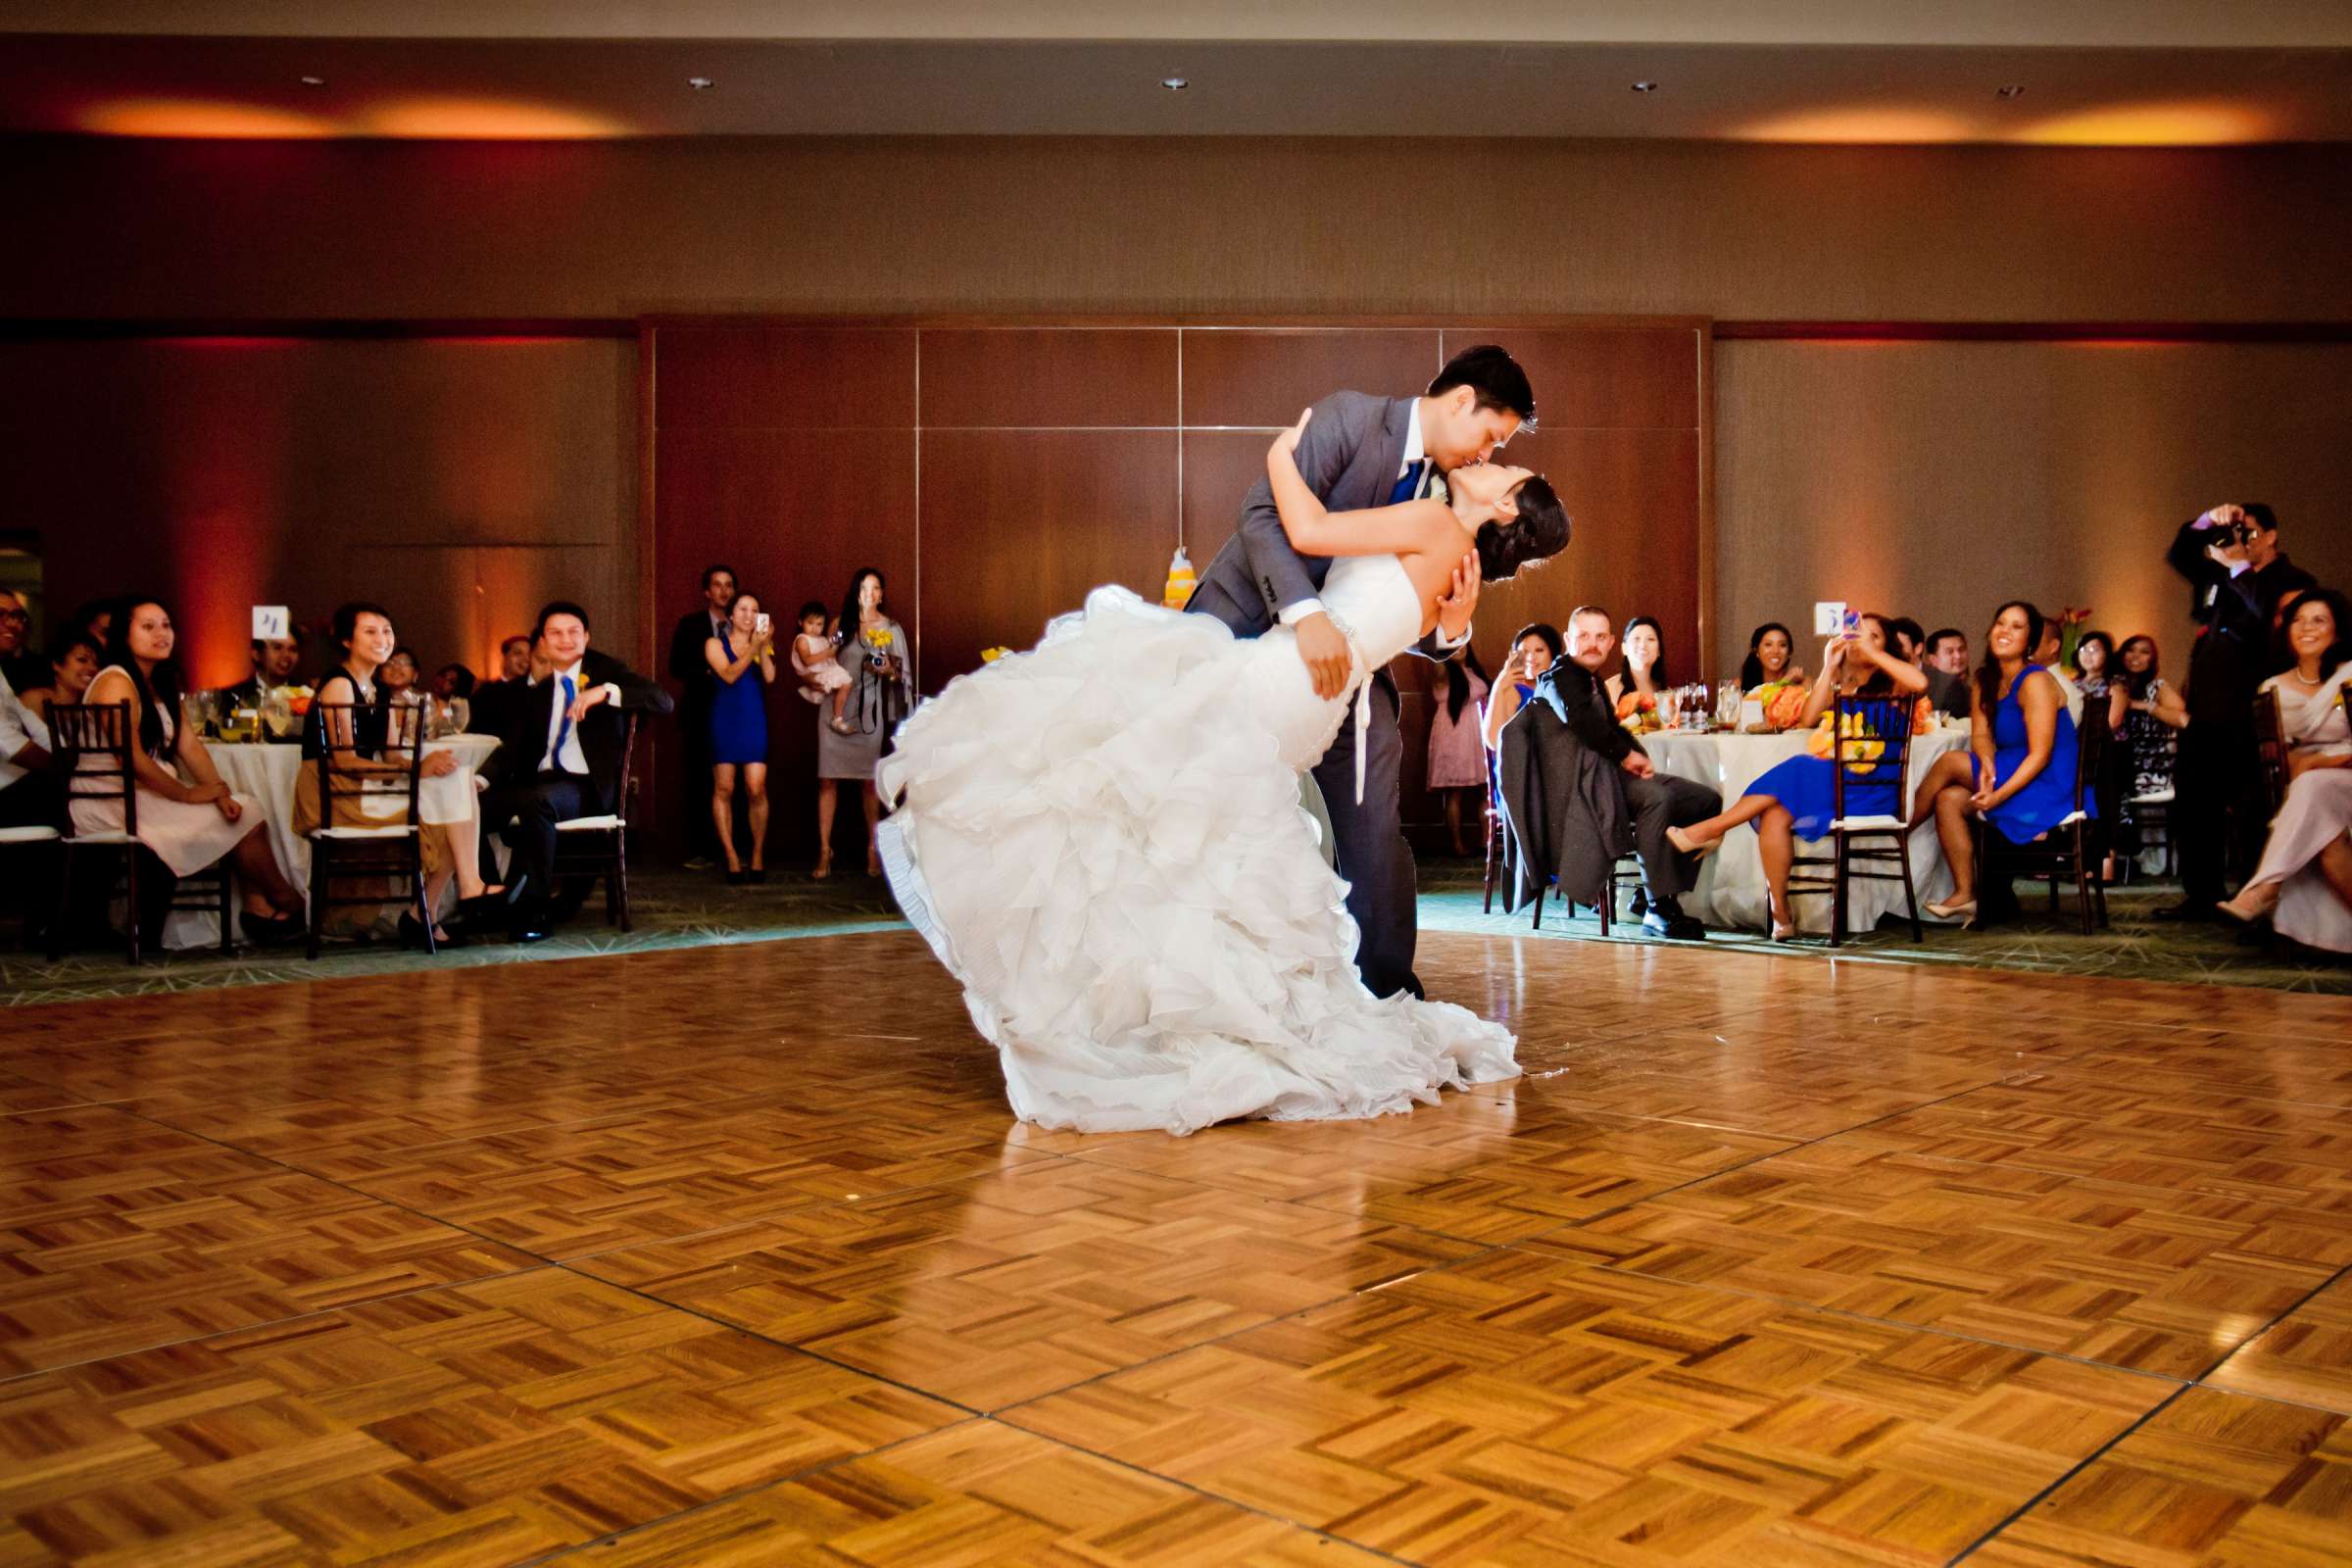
x=1862, y=125
x=484, y=120
x=2161, y=124
x=200, y=118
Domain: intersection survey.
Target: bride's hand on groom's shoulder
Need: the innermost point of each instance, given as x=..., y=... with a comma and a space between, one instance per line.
x=1287, y=443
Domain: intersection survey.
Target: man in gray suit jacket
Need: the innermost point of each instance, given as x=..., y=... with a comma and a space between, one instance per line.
x=1361, y=452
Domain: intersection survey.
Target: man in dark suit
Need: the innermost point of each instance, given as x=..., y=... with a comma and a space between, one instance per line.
x=275, y=662
x=2238, y=577
x=1361, y=452
x=1654, y=800
x=692, y=672
x=558, y=754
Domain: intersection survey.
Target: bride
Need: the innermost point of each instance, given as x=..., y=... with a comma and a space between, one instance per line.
x=1101, y=839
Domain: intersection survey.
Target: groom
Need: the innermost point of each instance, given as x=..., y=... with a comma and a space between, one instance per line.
x=1360, y=452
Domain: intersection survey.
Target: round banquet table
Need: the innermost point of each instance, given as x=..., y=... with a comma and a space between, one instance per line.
x=1731, y=889
x=267, y=772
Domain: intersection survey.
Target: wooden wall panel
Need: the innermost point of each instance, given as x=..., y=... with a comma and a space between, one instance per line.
x=1049, y=378
x=1017, y=525
x=776, y=377
x=1601, y=378
x=989, y=526
x=1264, y=375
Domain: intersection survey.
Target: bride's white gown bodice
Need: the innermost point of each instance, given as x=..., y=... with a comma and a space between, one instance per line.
x=1101, y=839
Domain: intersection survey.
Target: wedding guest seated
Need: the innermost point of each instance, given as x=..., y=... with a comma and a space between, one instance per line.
x=513, y=675
x=2148, y=716
x=2018, y=774
x=97, y=617
x=1769, y=649
x=27, y=794
x=2046, y=655
x=2090, y=672
x=2304, y=882
x=400, y=675
x=19, y=665
x=1642, y=663
x=559, y=757
x=364, y=631
x=1946, y=693
x=1657, y=802
x=187, y=816
x=454, y=680
x=274, y=662
x=1799, y=798
x=1944, y=663
x=1535, y=648
x=72, y=664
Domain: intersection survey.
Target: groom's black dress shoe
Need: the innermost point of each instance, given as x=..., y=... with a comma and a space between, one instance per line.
x=1665, y=918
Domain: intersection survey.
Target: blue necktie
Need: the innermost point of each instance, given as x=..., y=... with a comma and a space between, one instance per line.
x=554, y=757
x=1409, y=486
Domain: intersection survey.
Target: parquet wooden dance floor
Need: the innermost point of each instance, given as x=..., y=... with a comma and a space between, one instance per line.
x=734, y=1256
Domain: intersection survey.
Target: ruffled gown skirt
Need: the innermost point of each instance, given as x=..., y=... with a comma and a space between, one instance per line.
x=1102, y=840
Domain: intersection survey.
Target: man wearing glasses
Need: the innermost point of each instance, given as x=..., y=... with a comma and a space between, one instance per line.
x=23, y=668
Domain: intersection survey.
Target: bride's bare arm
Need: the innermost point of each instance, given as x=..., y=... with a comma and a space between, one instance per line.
x=1315, y=530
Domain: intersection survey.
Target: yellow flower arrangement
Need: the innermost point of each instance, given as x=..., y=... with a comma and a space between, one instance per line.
x=989, y=656
x=1863, y=747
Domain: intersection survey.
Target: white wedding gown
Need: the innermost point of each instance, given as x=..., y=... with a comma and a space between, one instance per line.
x=1103, y=841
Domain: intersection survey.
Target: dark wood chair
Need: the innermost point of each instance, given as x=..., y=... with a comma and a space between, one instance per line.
x=368, y=823
x=599, y=846
x=94, y=751
x=1868, y=847
x=2068, y=852
x=2271, y=745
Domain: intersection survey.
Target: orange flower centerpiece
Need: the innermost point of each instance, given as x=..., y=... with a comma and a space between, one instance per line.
x=1783, y=700
x=1638, y=713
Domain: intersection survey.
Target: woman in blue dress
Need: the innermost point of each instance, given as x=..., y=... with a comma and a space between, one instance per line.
x=1535, y=648
x=2018, y=774
x=1799, y=798
x=739, y=729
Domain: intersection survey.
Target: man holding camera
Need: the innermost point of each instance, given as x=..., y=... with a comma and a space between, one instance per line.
x=2238, y=577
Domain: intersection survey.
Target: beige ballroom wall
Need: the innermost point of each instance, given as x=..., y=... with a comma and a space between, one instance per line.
x=455, y=470
x=1232, y=225
x=1938, y=479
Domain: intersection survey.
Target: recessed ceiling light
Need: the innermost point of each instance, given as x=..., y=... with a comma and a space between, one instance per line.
x=2009, y=92
x=1646, y=87
x=699, y=83
x=314, y=81
x=1174, y=83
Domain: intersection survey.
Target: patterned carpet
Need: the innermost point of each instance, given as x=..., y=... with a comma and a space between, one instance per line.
x=675, y=909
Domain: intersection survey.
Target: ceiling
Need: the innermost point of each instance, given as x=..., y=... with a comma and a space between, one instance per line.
x=2090, y=71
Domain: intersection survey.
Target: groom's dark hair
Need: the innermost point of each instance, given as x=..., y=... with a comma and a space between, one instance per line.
x=1489, y=372
x=1540, y=532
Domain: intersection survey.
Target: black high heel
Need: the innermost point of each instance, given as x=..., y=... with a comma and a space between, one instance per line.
x=734, y=879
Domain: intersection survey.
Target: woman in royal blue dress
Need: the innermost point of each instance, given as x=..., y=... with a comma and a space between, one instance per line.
x=1799, y=798
x=2017, y=772
x=742, y=656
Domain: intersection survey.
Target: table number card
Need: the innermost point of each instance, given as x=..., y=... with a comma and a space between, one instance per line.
x=270, y=623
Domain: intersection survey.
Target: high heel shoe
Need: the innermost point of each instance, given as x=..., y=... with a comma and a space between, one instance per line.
x=824, y=868
x=734, y=877
x=758, y=874
x=1783, y=931
x=1688, y=844
x=1962, y=910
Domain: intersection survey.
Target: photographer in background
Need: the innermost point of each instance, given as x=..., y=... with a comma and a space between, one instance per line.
x=2238, y=577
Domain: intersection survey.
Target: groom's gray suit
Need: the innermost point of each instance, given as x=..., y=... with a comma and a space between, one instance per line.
x=1350, y=456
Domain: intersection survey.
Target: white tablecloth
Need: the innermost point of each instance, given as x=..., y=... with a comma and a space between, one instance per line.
x=1731, y=889
x=268, y=773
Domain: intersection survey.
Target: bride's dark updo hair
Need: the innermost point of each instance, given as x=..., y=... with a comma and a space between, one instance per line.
x=1540, y=533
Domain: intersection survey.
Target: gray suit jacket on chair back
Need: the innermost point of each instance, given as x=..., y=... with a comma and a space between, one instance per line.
x=1349, y=457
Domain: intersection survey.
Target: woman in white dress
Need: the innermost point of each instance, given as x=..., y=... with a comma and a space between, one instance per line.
x=1101, y=839
x=2305, y=880
x=187, y=816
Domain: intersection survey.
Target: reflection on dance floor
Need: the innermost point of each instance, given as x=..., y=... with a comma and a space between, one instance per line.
x=733, y=1255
